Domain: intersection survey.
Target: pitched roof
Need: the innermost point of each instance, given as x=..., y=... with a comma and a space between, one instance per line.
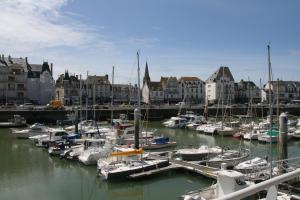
x=189, y=78
x=219, y=73
x=155, y=86
x=98, y=79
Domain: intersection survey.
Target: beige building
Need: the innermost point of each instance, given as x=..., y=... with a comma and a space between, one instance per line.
x=67, y=89
x=98, y=87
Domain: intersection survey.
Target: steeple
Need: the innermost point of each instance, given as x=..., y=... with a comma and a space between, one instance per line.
x=146, y=76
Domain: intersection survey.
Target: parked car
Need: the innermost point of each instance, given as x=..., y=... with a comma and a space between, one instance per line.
x=180, y=104
x=26, y=106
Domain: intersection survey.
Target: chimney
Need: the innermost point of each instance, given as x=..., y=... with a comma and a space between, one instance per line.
x=26, y=60
x=77, y=76
x=106, y=76
x=51, y=69
x=3, y=57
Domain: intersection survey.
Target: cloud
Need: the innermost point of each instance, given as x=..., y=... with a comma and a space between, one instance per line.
x=30, y=25
x=294, y=52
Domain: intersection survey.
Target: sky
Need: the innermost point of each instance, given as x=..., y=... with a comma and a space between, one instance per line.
x=175, y=37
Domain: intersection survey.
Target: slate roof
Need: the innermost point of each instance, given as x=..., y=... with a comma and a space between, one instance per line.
x=189, y=78
x=98, y=79
x=155, y=86
x=219, y=73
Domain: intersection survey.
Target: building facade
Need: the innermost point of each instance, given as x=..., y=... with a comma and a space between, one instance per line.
x=125, y=93
x=246, y=92
x=220, y=87
x=21, y=82
x=98, y=88
x=192, y=90
x=286, y=91
x=170, y=87
x=67, y=89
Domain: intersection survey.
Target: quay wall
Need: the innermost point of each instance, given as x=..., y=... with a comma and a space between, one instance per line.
x=155, y=114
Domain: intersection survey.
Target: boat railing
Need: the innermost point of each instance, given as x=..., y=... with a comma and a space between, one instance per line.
x=270, y=185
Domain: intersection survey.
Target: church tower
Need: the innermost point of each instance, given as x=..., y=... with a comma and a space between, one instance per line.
x=146, y=76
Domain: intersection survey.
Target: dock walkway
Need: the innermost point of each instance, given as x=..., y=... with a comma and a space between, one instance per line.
x=209, y=172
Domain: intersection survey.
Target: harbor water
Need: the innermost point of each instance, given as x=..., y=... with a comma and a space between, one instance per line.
x=28, y=172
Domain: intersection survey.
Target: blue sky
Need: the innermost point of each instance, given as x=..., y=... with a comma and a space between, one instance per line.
x=176, y=38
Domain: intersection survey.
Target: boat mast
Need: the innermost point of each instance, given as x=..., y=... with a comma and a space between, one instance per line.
x=86, y=98
x=112, y=95
x=139, y=95
x=270, y=109
x=137, y=111
x=80, y=102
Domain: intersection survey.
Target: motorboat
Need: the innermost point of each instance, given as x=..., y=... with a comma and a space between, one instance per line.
x=202, y=127
x=122, y=122
x=84, y=144
x=296, y=134
x=36, y=138
x=292, y=122
x=253, y=134
x=91, y=155
x=269, y=136
x=175, y=122
x=202, y=153
x=219, y=129
x=34, y=130
x=254, y=165
x=228, y=181
x=159, y=143
x=16, y=121
x=193, y=125
x=55, y=134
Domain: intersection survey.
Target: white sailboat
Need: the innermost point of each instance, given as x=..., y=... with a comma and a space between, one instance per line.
x=196, y=154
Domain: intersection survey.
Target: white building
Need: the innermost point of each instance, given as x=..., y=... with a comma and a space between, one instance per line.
x=220, y=87
x=125, y=93
x=22, y=82
x=170, y=89
x=192, y=90
x=40, y=83
x=286, y=90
